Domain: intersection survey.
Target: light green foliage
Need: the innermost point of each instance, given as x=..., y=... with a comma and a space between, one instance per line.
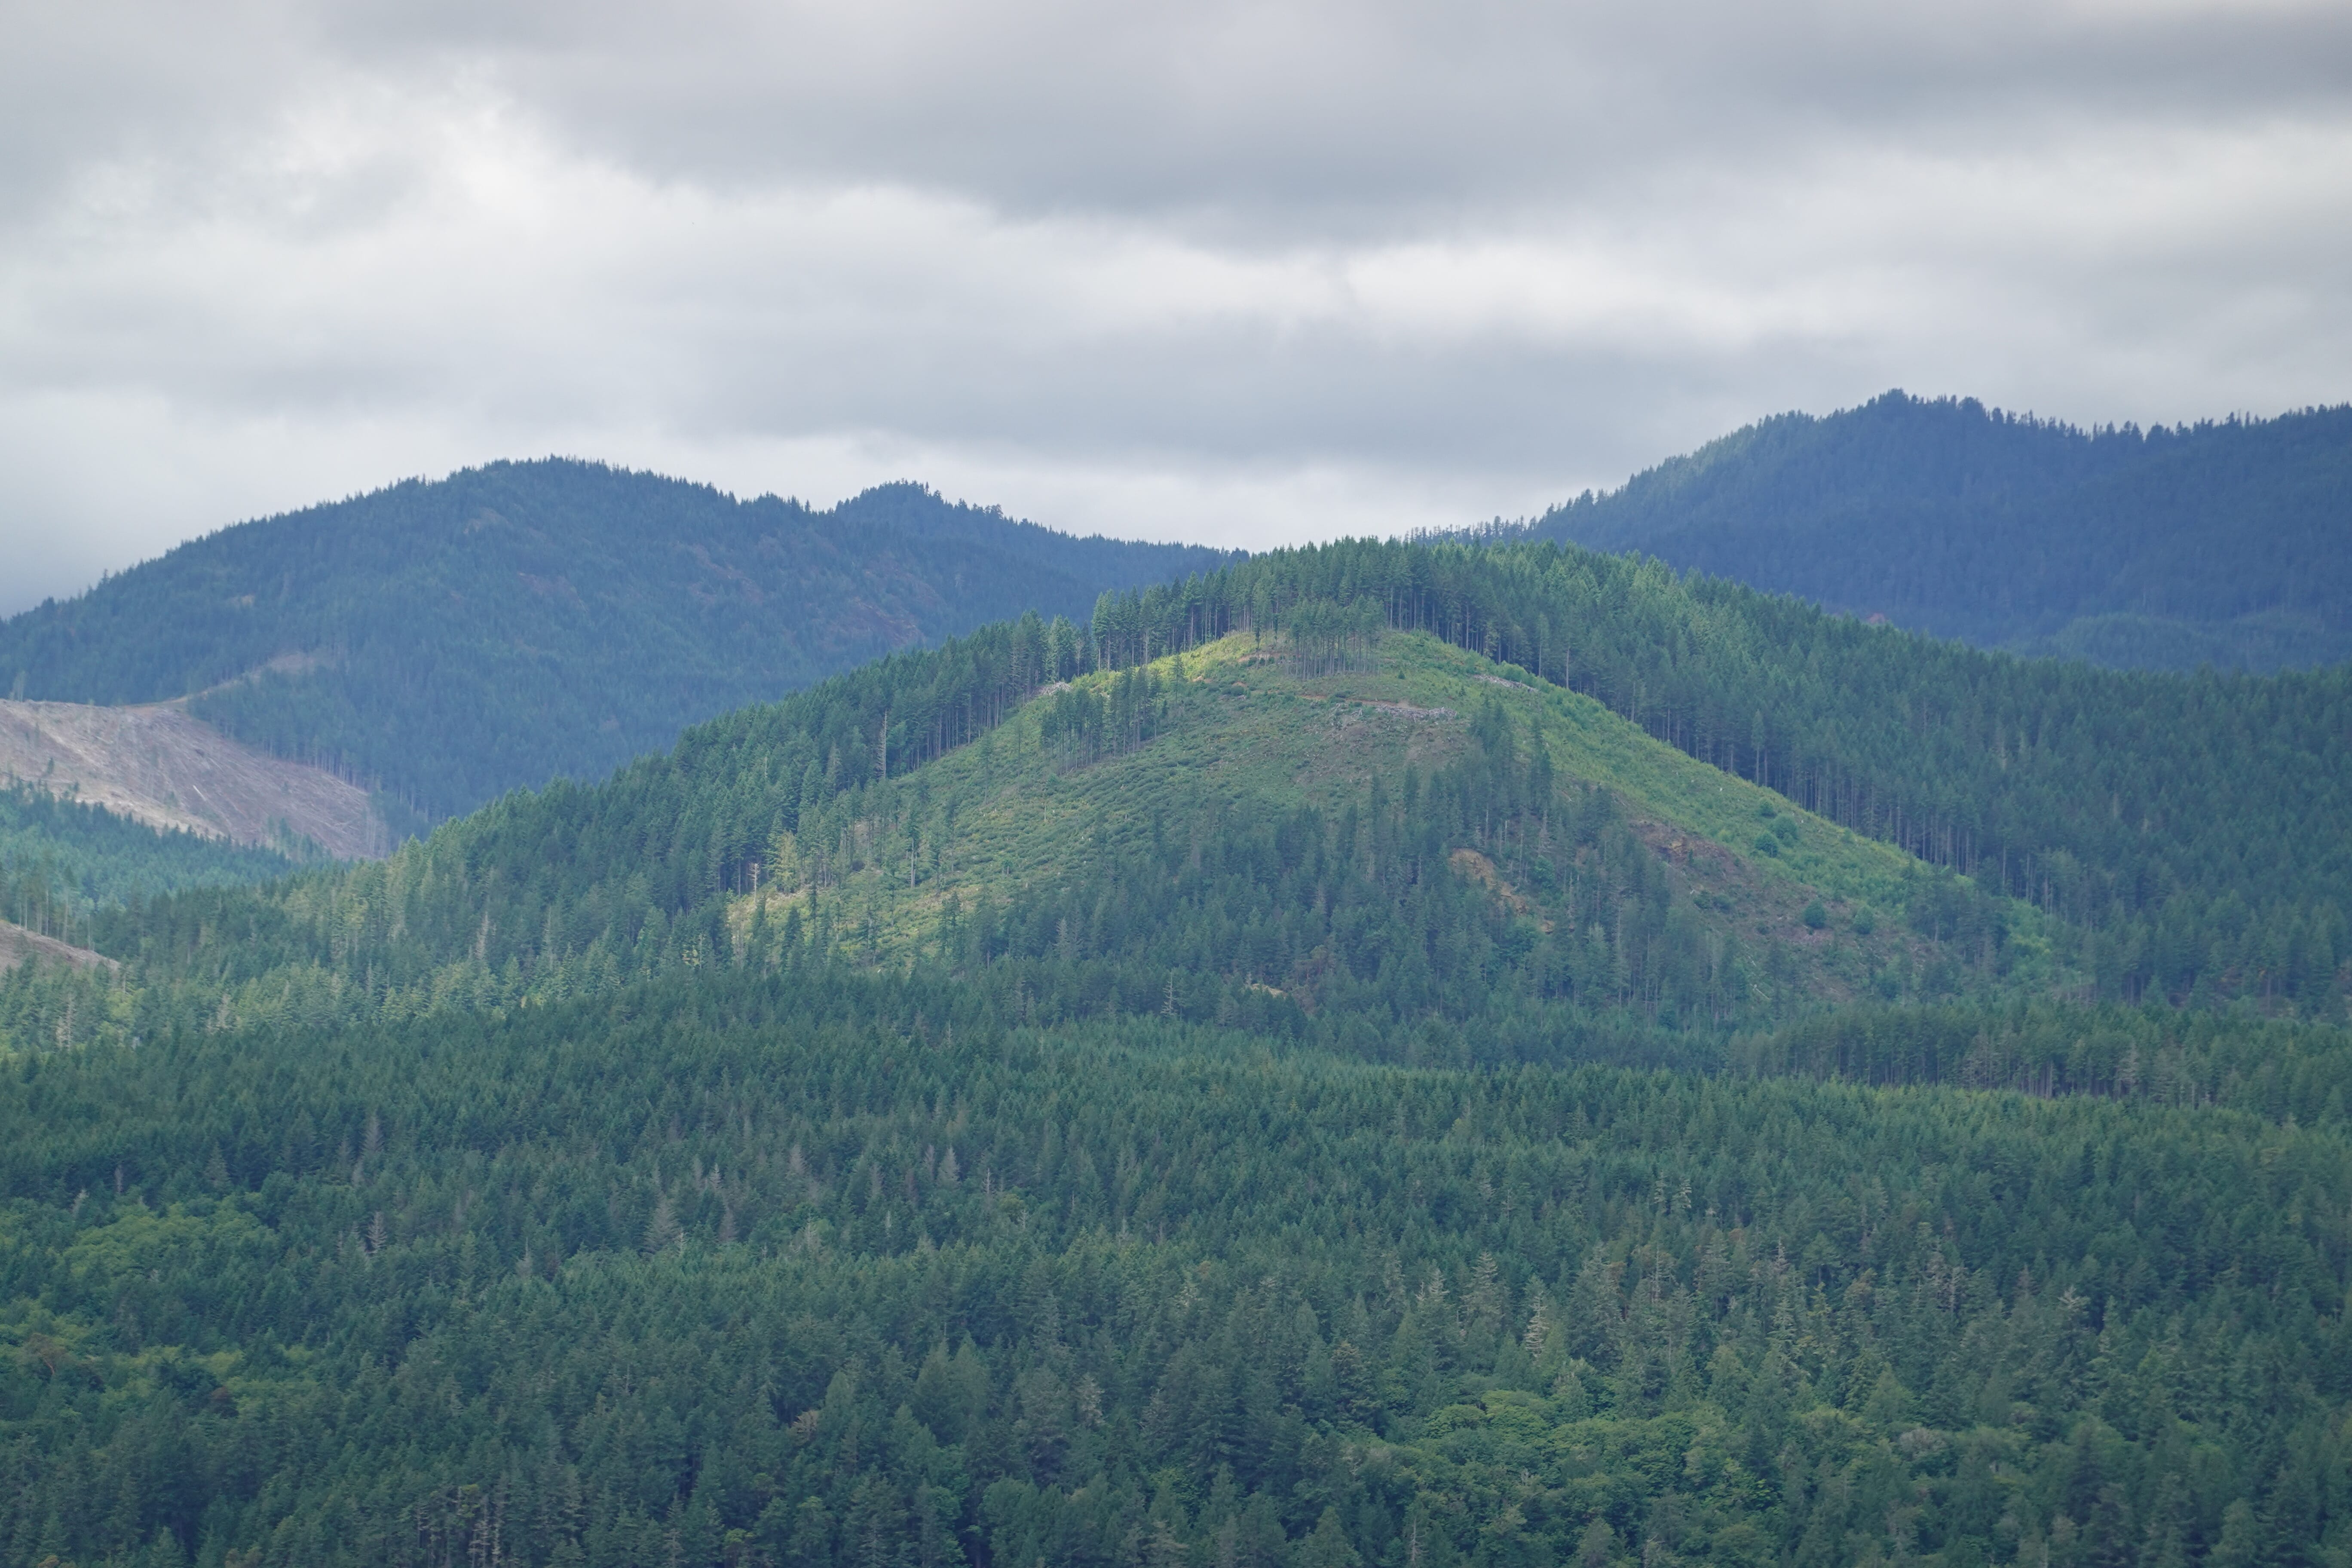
x=1418, y=838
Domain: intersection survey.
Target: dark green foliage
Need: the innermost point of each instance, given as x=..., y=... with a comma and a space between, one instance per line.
x=1080, y=726
x=518, y=623
x=2187, y=833
x=2284, y=1071
x=60, y=860
x=2197, y=828
x=2217, y=543
x=822, y=1269
x=1424, y=1177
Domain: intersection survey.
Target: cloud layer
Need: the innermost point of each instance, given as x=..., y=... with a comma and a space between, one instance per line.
x=1242, y=273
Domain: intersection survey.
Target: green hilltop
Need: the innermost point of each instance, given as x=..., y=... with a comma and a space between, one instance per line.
x=1241, y=725
x=1672, y=803
x=1377, y=1057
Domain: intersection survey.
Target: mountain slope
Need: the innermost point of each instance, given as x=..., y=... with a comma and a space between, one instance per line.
x=1278, y=1079
x=1327, y=833
x=1527, y=865
x=1559, y=800
x=515, y=623
x=2224, y=543
x=1521, y=857
x=61, y=860
x=156, y=765
x=19, y=945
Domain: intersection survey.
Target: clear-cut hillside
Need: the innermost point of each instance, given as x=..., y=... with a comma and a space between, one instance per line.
x=157, y=765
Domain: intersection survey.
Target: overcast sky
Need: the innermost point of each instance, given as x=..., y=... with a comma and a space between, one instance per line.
x=1245, y=273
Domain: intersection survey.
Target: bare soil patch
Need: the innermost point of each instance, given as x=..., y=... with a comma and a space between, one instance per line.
x=17, y=944
x=156, y=765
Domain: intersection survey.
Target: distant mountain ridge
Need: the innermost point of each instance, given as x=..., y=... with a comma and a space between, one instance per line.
x=453, y=639
x=2224, y=543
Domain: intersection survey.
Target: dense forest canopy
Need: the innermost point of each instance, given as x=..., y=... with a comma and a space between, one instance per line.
x=61, y=862
x=2225, y=542
x=1375, y=1056
x=814, y=1268
x=448, y=641
x=2152, y=836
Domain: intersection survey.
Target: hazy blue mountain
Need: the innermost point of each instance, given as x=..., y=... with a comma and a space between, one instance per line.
x=451, y=640
x=2227, y=543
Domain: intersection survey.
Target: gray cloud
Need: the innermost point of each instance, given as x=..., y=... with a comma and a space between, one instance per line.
x=1245, y=272
x=1317, y=108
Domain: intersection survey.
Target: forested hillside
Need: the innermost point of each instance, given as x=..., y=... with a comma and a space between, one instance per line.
x=61, y=861
x=810, y=1269
x=1376, y=1056
x=1376, y=841
x=446, y=642
x=2063, y=830
x=2227, y=543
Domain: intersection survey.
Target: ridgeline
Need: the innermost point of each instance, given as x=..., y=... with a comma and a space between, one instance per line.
x=2224, y=542
x=446, y=642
